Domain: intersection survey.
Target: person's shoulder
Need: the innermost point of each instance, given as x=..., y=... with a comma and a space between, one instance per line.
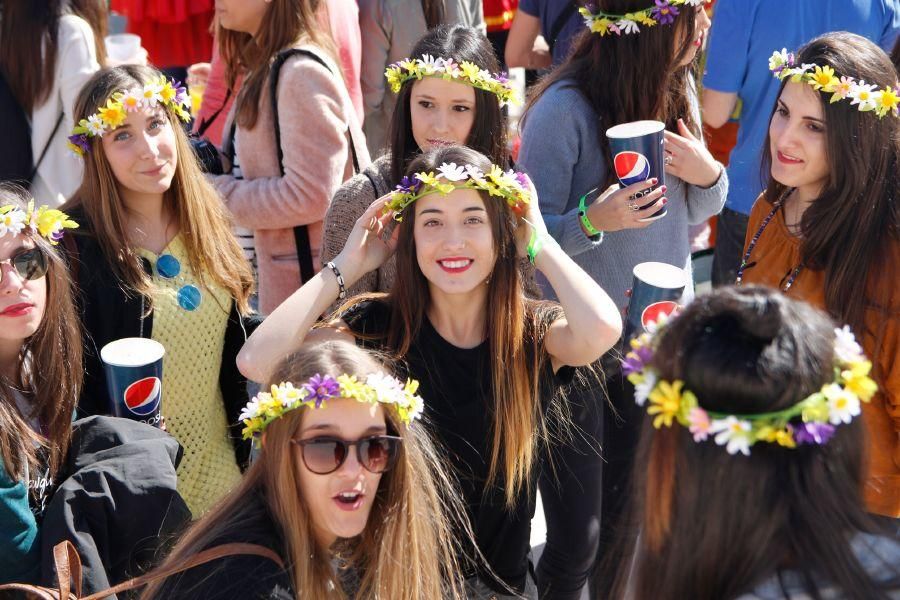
x=237, y=576
x=562, y=104
x=72, y=26
x=368, y=317
x=309, y=66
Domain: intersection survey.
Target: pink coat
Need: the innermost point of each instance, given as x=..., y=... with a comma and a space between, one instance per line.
x=315, y=113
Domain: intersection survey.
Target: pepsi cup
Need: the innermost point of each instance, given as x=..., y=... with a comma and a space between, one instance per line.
x=637, y=151
x=655, y=292
x=134, y=378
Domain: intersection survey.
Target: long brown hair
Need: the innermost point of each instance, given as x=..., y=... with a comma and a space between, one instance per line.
x=489, y=130
x=29, y=30
x=407, y=549
x=49, y=366
x=284, y=24
x=630, y=77
x=514, y=328
x=205, y=225
x=851, y=230
x=714, y=525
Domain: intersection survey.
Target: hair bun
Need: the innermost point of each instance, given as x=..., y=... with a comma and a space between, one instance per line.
x=755, y=313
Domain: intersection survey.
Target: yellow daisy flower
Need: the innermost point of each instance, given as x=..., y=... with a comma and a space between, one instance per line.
x=666, y=401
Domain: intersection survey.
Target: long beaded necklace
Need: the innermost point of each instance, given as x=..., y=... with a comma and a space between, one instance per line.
x=745, y=262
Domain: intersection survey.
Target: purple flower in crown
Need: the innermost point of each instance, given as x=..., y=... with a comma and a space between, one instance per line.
x=502, y=77
x=81, y=140
x=664, y=12
x=522, y=178
x=813, y=433
x=636, y=359
x=409, y=185
x=592, y=7
x=181, y=93
x=321, y=389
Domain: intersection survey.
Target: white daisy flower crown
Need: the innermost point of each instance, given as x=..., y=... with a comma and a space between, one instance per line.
x=662, y=13
x=446, y=68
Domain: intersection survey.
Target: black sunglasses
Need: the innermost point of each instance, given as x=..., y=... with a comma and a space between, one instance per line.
x=376, y=454
x=30, y=263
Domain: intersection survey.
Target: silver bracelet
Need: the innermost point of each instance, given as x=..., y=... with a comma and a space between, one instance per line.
x=342, y=291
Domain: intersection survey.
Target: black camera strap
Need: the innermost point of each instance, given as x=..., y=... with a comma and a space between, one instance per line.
x=301, y=232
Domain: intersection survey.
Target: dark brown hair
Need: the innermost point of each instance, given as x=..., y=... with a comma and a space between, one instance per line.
x=715, y=525
x=29, y=30
x=850, y=229
x=285, y=23
x=49, y=367
x=488, y=134
x=630, y=77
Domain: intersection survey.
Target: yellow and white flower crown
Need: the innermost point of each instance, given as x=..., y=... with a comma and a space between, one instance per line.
x=866, y=97
x=663, y=13
x=512, y=186
x=467, y=72
x=45, y=221
x=160, y=91
x=812, y=420
x=284, y=397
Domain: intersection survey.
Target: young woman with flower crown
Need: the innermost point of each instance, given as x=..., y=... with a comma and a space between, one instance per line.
x=826, y=228
x=155, y=257
x=39, y=342
x=490, y=361
x=751, y=475
x=430, y=112
x=635, y=63
x=347, y=491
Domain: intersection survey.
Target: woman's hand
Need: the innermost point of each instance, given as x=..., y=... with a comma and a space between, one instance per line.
x=531, y=220
x=617, y=208
x=369, y=243
x=198, y=75
x=688, y=159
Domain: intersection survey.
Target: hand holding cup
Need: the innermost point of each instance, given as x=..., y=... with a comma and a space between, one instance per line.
x=688, y=158
x=618, y=208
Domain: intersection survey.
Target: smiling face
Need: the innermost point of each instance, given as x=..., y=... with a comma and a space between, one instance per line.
x=454, y=241
x=701, y=27
x=798, y=140
x=339, y=503
x=442, y=112
x=142, y=153
x=22, y=301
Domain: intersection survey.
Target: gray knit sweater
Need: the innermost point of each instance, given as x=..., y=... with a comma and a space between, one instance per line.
x=562, y=152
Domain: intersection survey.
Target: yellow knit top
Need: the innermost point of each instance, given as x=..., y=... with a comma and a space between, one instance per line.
x=192, y=401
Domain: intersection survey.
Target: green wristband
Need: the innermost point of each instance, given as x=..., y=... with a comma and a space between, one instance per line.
x=535, y=243
x=582, y=214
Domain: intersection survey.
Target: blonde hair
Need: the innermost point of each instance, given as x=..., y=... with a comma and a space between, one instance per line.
x=407, y=550
x=214, y=254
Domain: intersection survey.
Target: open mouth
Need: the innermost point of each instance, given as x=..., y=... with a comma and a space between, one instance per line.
x=438, y=143
x=349, y=500
x=788, y=159
x=455, y=265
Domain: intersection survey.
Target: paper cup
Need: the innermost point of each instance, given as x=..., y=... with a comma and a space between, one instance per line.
x=637, y=150
x=134, y=378
x=656, y=290
x=123, y=47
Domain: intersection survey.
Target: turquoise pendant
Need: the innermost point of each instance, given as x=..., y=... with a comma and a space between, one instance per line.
x=189, y=297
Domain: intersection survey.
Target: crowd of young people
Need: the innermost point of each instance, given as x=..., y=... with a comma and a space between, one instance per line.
x=456, y=345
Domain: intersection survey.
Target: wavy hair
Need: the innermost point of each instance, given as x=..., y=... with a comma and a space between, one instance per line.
x=214, y=254
x=49, y=365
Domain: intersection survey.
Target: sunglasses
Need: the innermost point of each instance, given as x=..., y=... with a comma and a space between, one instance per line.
x=376, y=454
x=30, y=264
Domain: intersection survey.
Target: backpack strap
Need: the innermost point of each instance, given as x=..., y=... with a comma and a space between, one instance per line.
x=559, y=22
x=301, y=232
x=40, y=159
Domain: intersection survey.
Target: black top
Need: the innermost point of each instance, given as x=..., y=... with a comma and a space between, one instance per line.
x=456, y=386
x=240, y=576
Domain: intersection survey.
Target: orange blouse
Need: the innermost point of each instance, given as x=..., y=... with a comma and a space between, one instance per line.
x=777, y=254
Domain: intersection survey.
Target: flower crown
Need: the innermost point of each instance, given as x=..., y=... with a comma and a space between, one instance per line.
x=160, y=91
x=468, y=72
x=512, y=186
x=822, y=78
x=284, y=397
x=810, y=421
x=663, y=13
x=45, y=221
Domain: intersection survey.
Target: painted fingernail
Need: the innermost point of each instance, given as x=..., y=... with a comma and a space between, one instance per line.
x=665, y=201
x=663, y=189
x=654, y=181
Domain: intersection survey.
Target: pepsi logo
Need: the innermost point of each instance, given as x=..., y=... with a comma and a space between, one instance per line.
x=631, y=167
x=656, y=310
x=142, y=396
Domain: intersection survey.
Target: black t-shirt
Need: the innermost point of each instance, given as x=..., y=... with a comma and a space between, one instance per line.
x=456, y=386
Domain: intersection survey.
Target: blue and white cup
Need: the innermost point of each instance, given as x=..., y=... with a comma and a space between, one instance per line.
x=655, y=291
x=134, y=378
x=638, y=155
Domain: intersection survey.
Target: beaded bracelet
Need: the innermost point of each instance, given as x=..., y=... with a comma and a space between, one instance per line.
x=593, y=232
x=342, y=291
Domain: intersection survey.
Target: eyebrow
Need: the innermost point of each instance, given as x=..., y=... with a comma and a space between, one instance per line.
x=806, y=117
x=430, y=97
x=331, y=426
x=440, y=212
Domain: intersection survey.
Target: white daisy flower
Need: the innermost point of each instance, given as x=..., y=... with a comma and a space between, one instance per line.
x=387, y=388
x=845, y=345
x=778, y=59
x=863, y=95
x=251, y=410
x=452, y=172
x=843, y=405
x=152, y=93
x=732, y=433
x=132, y=100
x=628, y=26
x=96, y=126
x=12, y=222
x=474, y=173
x=642, y=390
